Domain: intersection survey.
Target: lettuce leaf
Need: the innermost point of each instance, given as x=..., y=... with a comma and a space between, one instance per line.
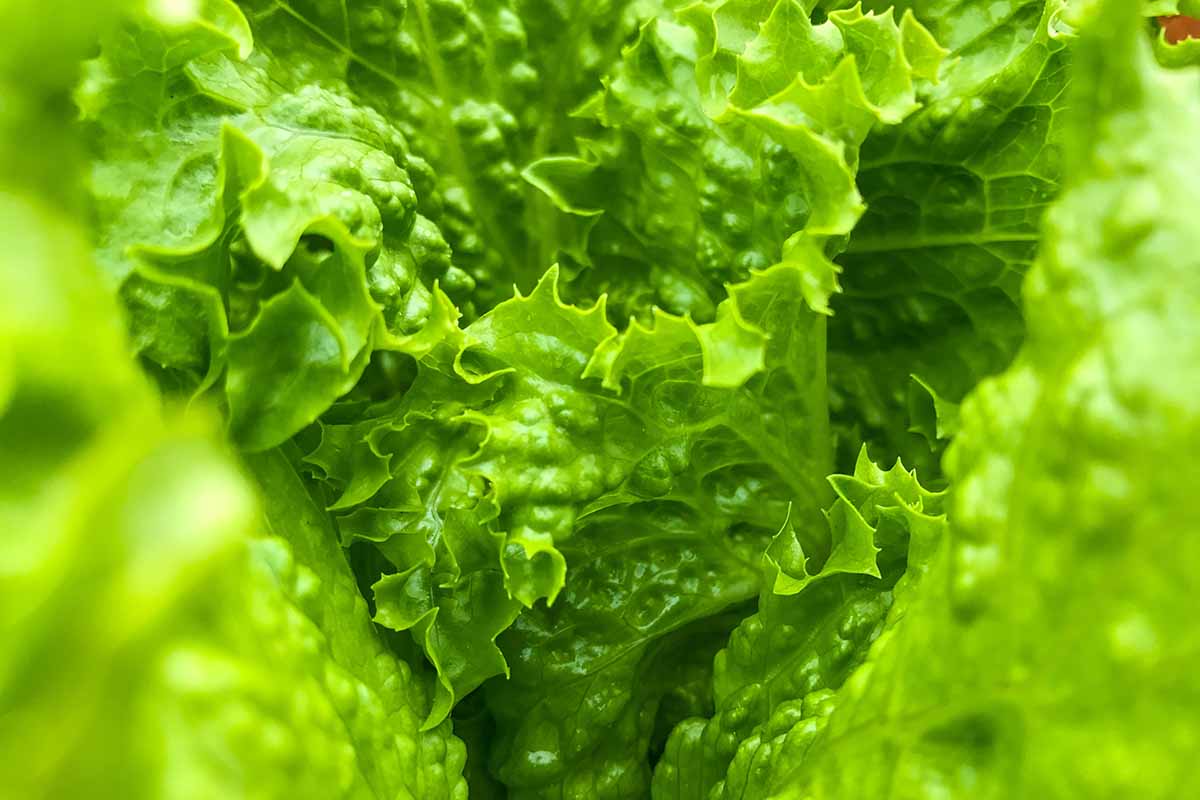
x=163, y=639
x=955, y=195
x=1046, y=652
x=140, y=587
x=777, y=683
x=546, y=438
x=407, y=397
x=724, y=142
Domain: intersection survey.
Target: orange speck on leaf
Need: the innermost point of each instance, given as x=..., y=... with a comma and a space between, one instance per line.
x=1178, y=28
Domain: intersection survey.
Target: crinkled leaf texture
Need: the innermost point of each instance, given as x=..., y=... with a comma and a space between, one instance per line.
x=726, y=140
x=777, y=682
x=580, y=513
x=268, y=233
x=163, y=637
x=544, y=438
x=955, y=196
x=159, y=645
x=1046, y=651
x=279, y=186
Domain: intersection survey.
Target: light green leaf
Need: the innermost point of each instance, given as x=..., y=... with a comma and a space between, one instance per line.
x=955, y=194
x=543, y=423
x=159, y=645
x=1045, y=653
x=724, y=142
x=275, y=184
x=775, y=683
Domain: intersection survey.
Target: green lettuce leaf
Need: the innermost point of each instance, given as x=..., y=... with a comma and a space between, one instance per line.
x=484, y=88
x=1046, y=653
x=399, y=394
x=261, y=254
x=777, y=681
x=159, y=642
x=544, y=430
x=563, y=437
x=158, y=648
x=955, y=194
x=726, y=141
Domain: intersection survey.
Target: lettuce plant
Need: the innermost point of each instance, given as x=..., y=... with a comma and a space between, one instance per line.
x=435, y=399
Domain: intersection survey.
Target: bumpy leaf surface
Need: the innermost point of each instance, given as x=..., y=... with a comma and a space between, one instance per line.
x=163, y=639
x=1046, y=652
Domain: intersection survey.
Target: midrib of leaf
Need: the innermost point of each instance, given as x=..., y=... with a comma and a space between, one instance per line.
x=458, y=160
